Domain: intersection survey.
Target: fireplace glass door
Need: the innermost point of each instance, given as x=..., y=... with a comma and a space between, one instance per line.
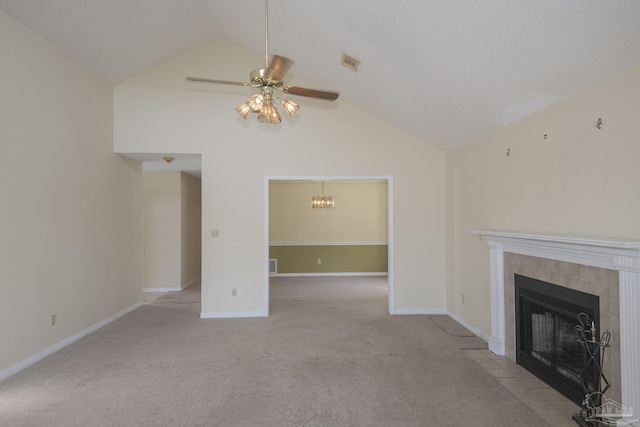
x=546, y=340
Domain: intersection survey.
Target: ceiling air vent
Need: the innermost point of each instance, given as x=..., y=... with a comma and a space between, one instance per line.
x=350, y=62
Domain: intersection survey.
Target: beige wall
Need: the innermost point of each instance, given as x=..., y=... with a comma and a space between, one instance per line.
x=71, y=215
x=191, y=229
x=160, y=112
x=360, y=215
x=579, y=180
x=171, y=230
x=162, y=231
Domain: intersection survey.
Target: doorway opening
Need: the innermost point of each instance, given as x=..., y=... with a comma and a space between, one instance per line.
x=172, y=225
x=355, y=238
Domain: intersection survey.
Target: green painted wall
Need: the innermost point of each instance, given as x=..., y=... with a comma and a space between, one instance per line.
x=334, y=258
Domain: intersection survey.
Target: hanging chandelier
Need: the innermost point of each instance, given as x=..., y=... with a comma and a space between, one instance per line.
x=323, y=202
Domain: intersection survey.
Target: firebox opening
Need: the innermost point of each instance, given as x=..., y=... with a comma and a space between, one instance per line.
x=546, y=341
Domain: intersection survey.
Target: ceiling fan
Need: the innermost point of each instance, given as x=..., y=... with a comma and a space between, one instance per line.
x=268, y=79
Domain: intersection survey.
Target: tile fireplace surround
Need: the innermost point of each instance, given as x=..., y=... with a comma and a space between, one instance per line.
x=509, y=251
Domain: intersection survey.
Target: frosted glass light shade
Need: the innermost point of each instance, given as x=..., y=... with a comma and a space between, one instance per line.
x=244, y=110
x=255, y=102
x=290, y=107
x=268, y=114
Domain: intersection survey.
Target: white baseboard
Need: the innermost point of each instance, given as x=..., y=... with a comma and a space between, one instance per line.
x=471, y=328
x=328, y=244
x=151, y=290
x=346, y=274
x=437, y=311
x=422, y=311
x=178, y=289
x=231, y=314
x=193, y=282
x=14, y=369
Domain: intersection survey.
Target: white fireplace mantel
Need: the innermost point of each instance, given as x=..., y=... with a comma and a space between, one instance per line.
x=620, y=255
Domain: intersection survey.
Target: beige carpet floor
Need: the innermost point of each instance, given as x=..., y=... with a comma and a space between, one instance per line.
x=329, y=354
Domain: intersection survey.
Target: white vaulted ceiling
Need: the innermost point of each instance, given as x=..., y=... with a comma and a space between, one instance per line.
x=445, y=71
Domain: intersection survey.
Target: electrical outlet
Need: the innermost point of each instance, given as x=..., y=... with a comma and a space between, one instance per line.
x=234, y=292
x=319, y=261
x=215, y=233
x=52, y=320
x=463, y=298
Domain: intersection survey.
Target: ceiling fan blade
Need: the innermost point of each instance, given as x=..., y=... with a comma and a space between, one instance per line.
x=278, y=67
x=311, y=93
x=224, y=82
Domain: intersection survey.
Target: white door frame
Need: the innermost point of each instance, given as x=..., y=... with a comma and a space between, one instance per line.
x=390, y=251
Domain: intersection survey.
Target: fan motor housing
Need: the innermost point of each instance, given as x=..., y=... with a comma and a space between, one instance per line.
x=259, y=78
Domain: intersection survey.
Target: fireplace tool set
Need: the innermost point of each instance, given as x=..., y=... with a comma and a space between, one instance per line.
x=594, y=382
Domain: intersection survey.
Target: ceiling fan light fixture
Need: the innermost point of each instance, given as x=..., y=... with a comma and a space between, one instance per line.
x=268, y=114
x=266, y=80
x=256, y=101
x=290, y=107
x=244, y=110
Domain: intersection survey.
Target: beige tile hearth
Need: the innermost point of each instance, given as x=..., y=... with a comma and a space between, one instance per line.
x=552, y=406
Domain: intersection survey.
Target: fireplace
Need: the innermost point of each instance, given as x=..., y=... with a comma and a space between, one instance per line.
x=584, y=261
x=547, y=345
